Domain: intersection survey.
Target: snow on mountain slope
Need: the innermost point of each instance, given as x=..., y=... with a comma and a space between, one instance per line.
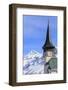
x=33, y=54
x=33, y=63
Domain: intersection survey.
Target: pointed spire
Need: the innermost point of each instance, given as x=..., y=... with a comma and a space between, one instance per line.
x=48, y=45
x=48, y=34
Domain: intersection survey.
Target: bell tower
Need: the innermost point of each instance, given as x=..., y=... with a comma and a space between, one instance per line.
x=48, y=48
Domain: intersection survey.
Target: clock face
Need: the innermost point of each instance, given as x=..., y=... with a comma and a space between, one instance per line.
x=49, y=53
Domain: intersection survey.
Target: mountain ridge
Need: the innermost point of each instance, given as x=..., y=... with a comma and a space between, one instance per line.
x=33, y=54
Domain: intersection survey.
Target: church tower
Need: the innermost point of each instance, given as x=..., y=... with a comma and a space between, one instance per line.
x=48, y=48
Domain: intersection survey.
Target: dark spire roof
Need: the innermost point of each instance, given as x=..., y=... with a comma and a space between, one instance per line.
x=48, y=45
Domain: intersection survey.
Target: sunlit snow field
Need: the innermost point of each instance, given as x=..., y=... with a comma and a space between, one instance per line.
x=33, y=63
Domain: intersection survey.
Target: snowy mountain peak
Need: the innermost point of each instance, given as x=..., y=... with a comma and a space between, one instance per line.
x=33, y=54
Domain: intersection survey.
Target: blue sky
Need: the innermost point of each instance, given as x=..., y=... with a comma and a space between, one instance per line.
x=35, y=28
